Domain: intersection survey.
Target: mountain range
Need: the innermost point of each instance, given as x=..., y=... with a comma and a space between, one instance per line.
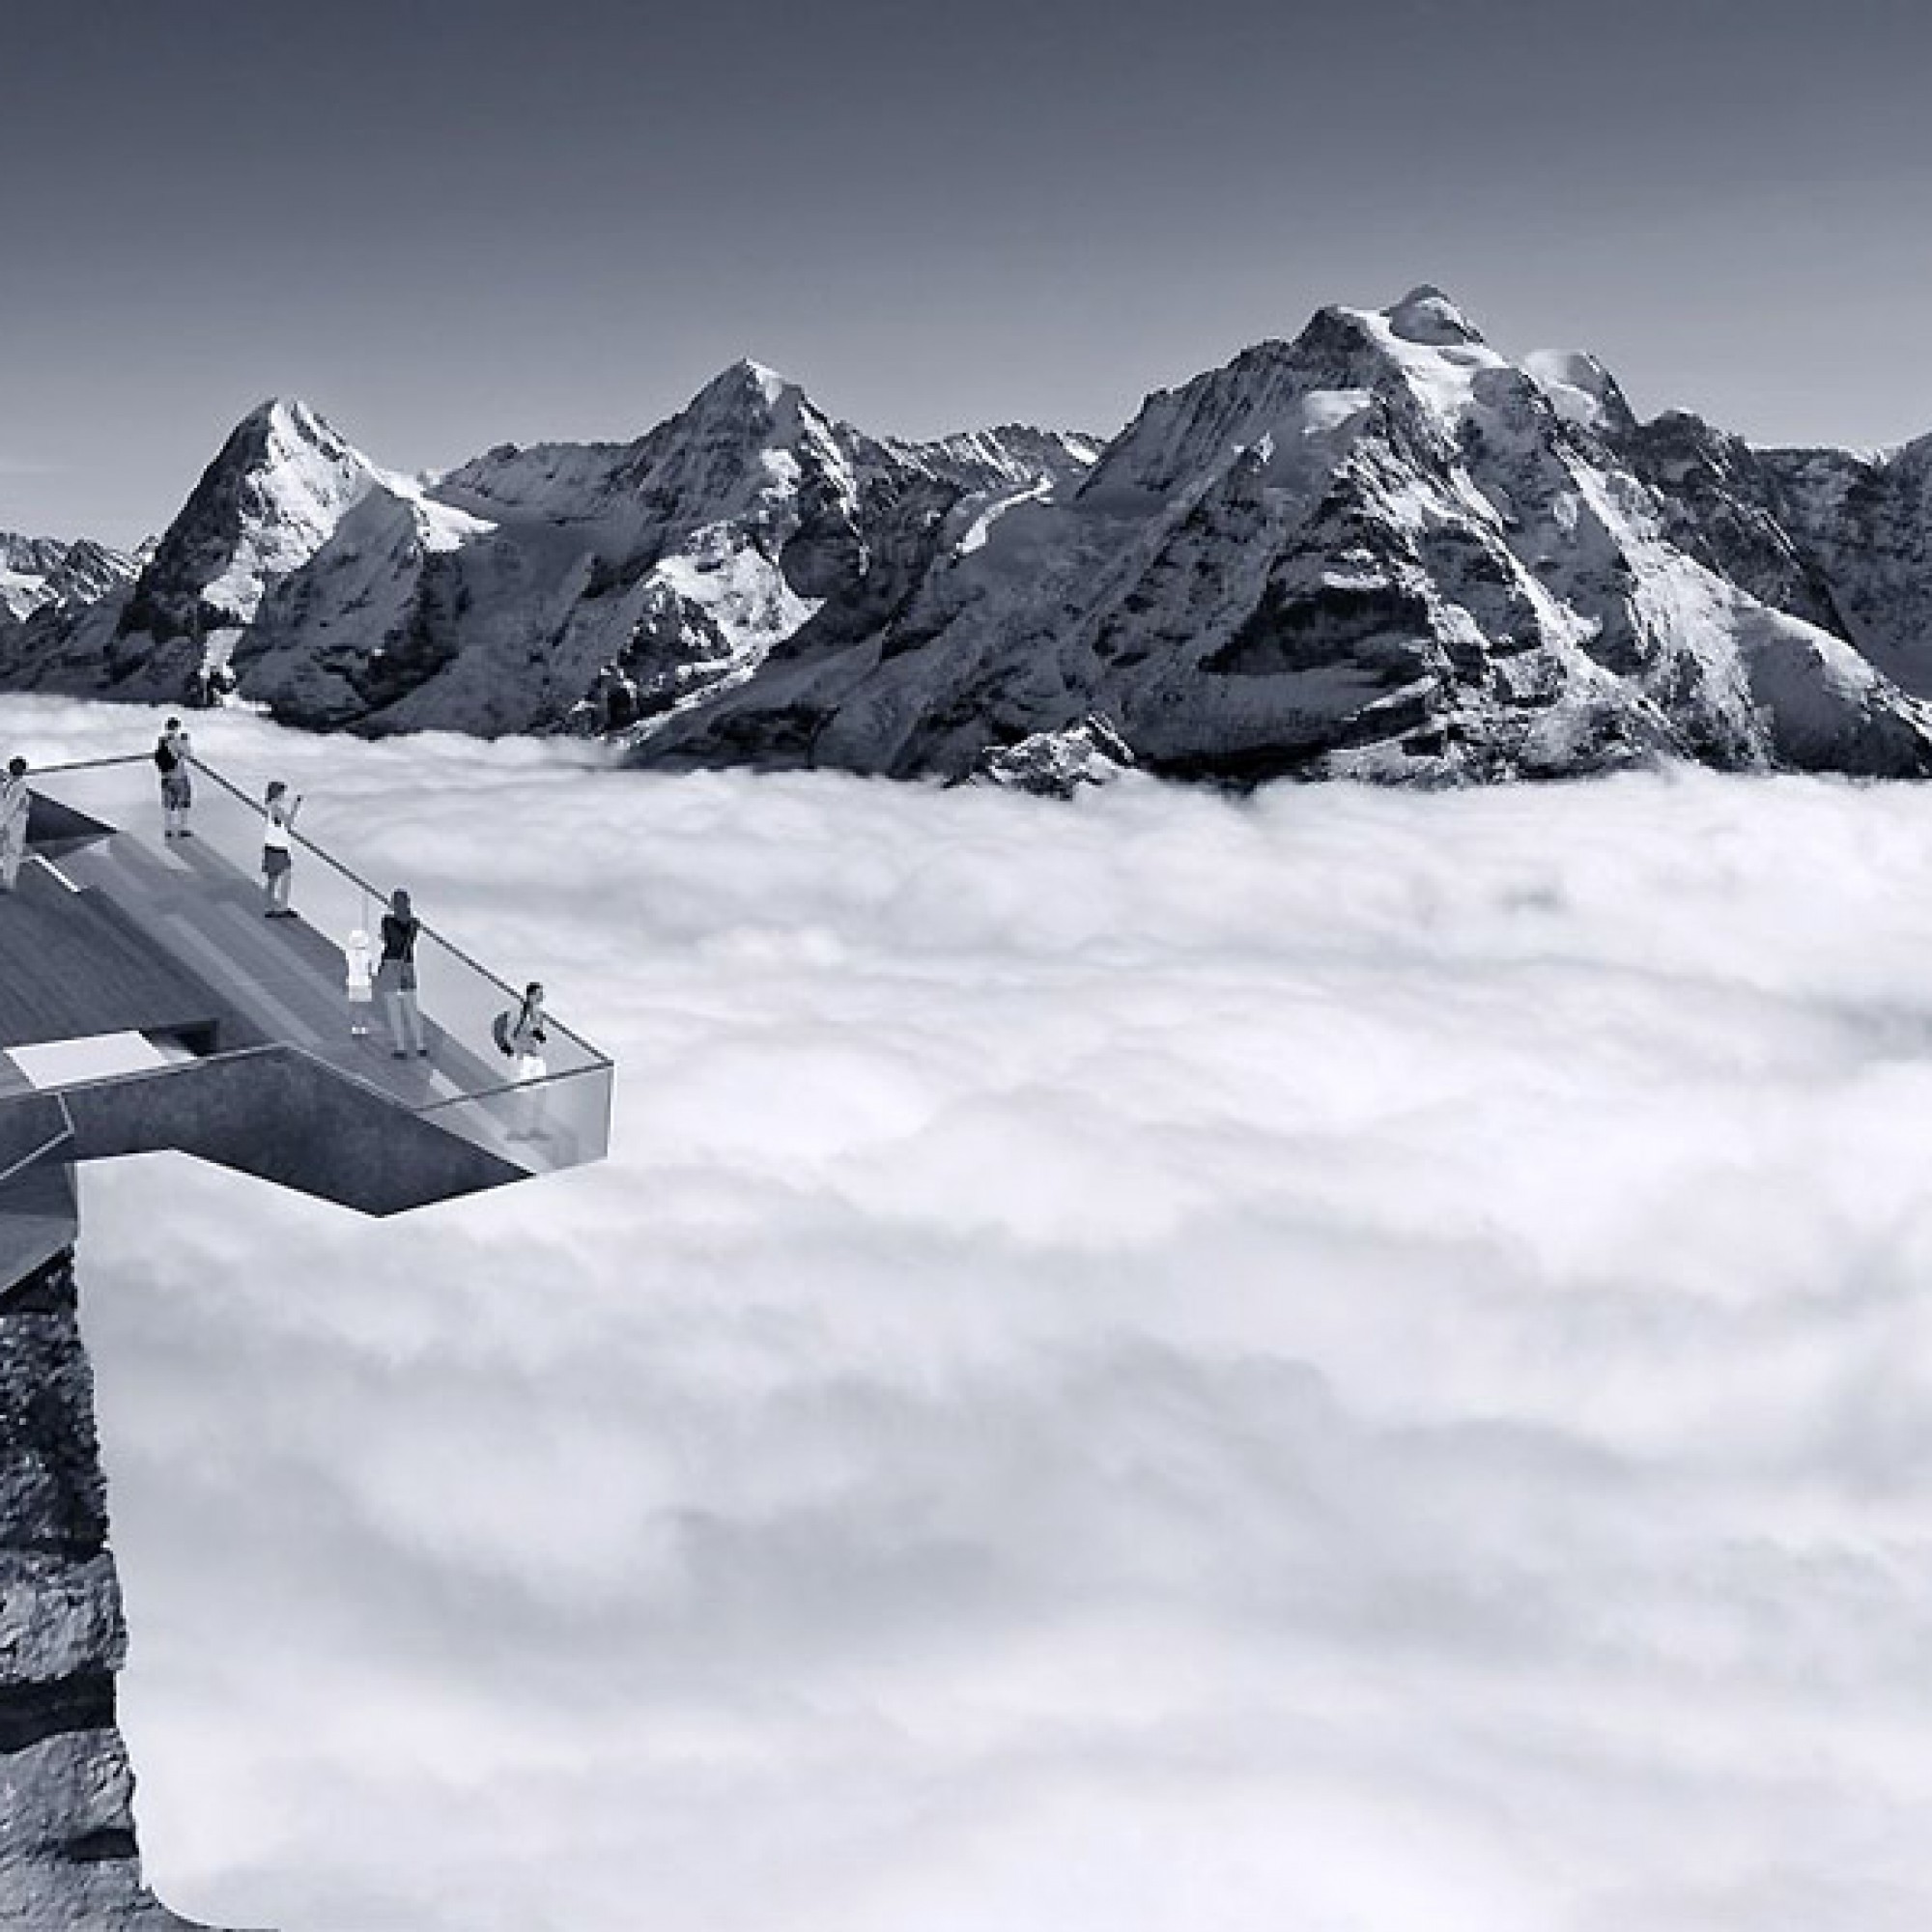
x=39, y=571
x=1382, y=550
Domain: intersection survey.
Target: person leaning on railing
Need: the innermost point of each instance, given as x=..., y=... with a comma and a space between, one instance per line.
x=396, y=977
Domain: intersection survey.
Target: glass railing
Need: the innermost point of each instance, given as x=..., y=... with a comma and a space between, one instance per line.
x=560, y=1121
x=200, y=898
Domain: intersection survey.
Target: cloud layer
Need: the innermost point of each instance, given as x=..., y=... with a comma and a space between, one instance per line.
x=1344, y=1360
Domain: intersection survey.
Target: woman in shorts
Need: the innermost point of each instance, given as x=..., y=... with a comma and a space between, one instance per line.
x=279, y=812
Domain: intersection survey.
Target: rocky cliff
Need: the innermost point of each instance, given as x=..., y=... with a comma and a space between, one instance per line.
x=38, y=571
x=1382, y=549
x=67, y=1855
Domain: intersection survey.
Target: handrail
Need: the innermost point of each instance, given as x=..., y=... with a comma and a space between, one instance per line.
x=87, y=765
x=508, y=1087
x=259, y=1049
x=597, y=1055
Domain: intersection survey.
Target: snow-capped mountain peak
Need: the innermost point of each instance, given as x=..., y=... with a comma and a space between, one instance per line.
x=1427, y=317
x=287, y=422
x=37, y=573
x=746, y=378
x=267, y=503
x=1381, y=548
x=746, y=399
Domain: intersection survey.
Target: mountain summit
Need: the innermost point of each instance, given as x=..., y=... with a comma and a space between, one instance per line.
x=1425, y=315
x=1381, y=548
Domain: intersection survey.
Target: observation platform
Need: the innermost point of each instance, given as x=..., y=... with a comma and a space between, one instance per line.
x=146, y=1003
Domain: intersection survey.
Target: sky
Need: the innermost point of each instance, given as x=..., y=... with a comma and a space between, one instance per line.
x=1172, y=1364
x=449, y=225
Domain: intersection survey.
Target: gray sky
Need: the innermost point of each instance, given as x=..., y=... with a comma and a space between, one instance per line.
x=447, y=225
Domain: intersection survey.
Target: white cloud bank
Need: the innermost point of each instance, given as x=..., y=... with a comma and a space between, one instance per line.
x=1349, y=1361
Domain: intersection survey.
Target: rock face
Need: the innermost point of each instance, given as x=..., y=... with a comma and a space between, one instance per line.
x=35, y=572
x=1059, y=764
x=68, y=1857
x=1382, y=548
x=288, y=513
x=56, y=598
x=1379, y=550
x=527, y=584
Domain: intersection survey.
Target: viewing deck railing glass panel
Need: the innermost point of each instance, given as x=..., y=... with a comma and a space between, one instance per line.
x=199, y=900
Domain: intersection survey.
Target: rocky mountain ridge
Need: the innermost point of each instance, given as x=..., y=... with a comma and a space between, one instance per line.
x=39, y=571
x=1382, y=548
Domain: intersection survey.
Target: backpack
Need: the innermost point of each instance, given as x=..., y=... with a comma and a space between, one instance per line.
x=499, y=1032
x=165, y=757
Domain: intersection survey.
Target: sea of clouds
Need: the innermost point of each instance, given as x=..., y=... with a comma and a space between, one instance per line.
x=1344, y=1360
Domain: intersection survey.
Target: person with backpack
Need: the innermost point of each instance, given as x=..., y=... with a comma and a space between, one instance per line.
x=396, y=977
x=16, y=803
x=521, y=1035
x=172, y=752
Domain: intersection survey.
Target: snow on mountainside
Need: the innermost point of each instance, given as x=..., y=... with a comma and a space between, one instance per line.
x=287, y=502
x=1865, y=523
x=38, y=571
x=1011, y=457
x=1381, y=549
x=1842, y=538
x=519, y=590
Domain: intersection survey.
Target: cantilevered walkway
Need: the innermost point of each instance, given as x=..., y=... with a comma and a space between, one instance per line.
x=146, y=1003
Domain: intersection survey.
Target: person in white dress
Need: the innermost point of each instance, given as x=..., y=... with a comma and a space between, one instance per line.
x=359, y=961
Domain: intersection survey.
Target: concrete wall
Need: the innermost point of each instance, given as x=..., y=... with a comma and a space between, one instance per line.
x=276, y=1113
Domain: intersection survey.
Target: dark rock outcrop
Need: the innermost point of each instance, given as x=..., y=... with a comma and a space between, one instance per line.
x=68, y=1856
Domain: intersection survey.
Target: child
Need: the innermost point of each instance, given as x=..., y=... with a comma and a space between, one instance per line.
x=360, y=982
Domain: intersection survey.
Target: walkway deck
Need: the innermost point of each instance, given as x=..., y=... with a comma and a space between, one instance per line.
x=273, y=980
x=71, y=966
x=116, y=932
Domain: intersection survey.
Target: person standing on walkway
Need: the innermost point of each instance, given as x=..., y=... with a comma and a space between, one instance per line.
x=279, y=811
x=396, y=977
x=359, y=967
x=16, y=803
x=526, y=1039
x=172, y=752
